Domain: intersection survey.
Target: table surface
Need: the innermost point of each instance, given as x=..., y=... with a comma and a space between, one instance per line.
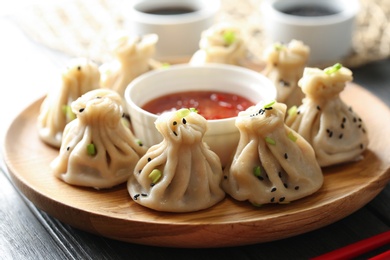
x=29, y=233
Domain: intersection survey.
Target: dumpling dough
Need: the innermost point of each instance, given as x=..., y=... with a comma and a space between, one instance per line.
x=221, y=43
x=272, y=163
x=284, y=67
x=336, y=133
x=133, y=58
x=79, y=77
x=180, y=174
x=97, y=150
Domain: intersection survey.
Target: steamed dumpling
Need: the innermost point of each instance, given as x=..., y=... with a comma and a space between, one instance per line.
x=335, y=131
x=133, y=58
x=180, y=174
x=284, y=67
x=97, y=150
x=221, y=43
x=272, y=163
x=80, y=76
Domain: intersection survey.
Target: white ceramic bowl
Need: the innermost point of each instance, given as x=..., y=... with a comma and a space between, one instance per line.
x=179, y=34
x=222, y=135
x=328, y=36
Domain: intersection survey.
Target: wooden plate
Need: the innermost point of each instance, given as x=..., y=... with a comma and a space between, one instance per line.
x=113, y=214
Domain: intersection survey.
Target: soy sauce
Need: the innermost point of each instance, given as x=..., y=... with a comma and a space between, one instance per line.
x=170, y=10
x=310, y=11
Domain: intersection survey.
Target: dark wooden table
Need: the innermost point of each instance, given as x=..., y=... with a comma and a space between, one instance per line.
x=29, y=233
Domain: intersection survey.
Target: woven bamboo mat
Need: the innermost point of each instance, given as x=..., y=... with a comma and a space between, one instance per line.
x=82, y=27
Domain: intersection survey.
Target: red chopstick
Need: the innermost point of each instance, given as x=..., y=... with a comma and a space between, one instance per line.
x=358, y=248
x=384, y=256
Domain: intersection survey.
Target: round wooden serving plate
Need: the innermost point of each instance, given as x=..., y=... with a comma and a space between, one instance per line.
x=112, y=213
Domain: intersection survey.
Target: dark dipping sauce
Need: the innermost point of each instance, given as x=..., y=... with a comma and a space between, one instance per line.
x=309, y=11
x=169, y=10
x=210, y=104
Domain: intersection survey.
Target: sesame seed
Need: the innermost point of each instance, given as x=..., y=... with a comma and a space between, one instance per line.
x=354, y=119
x=81, y=110
x=149, y=159
x=285, y=185
x=318, y=108
x=296, y=187
x=68, y=148
x=144, y=194
x=184, y=121
x=344, y=119
x=174, y=133
x=280, y=174
x=282, y=199
x=79, y=68
x=273, y=199
x=136, y=196
x=285, y=156
x=342, y=126
x=225, y=177
x=273, y=189
x=340, y=136
x=361, y=146
x=174, y=123
x=139, y=172
x=330, y=134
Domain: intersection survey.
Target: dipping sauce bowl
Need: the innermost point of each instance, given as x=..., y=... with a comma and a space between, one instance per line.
x=222, y=135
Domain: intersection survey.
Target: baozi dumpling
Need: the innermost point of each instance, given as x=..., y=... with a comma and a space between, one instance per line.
x=97, y=150
x=133, y=58
x=221, y=43
x=272, y=163
x=180, y=174
x=336, y=133
x=284, y=67
x=79, y=77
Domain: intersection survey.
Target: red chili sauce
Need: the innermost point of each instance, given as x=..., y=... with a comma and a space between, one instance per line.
x=210, y=104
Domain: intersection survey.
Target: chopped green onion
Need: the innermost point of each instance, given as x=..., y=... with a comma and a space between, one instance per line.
x=333, y=69
x=229, y=37
x=165, y=65
x=270, y=104
x=292, y=110
x=192, y=109
x=139, y=142
x=125, y=122
x=257, y=171
x=67, y=110
x=292, y=137
x=183, y=112
x=91, y=149
x=155, y=176
x=256, y=204
x=278, y=46
x=270, y=140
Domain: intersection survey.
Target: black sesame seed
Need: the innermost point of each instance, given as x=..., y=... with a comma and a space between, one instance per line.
x=360, y=120
x=350, y=109
x=330, y=134
x=225, y=177
x=285, y=185
x=296, y=187
x=280, y=174
x=68, y=148
x=298, y=112
x=136, y=196
x=152, y=184
x=361, y=146
x=344, y=119
x=139, y=172
x=273, y=199
x=318, y=108
x=184, y=121
x=98, y=97
x=174, y=133
x=285, y=156
x=342, y=126
x=284, y=83
x=328, y=131
x=260, y=178
x=354, y=119
x=282, y=199
x=79, y=68
x=360, y=126
x=81, y=110
x=273, y=189
x=144, y=194
x=268, y=108
x=174, y=123
x=149, y=159
x=364, y=130
x=340, y=136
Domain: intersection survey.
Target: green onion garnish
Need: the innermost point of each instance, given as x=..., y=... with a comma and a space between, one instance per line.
x=139, y=142
x=269, y=104
x=91, y=149
x=292, y=137
x=257, y=171
x=155, y=176
x=278, y=46
x=181, y=113
x=165, y=65
x=292, y=110
x=229, y=37
x=333, y=69
x=256, y=204
x=192, y=109
x=67, y=110
x=270, y=140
